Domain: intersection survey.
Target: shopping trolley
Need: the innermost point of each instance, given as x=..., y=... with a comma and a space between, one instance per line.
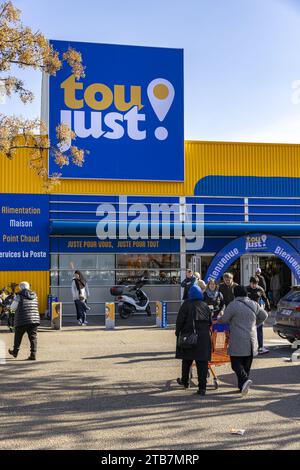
x=219, y=345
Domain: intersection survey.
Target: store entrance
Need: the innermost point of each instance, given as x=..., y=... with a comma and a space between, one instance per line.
x=249, y=265
x=270, y=265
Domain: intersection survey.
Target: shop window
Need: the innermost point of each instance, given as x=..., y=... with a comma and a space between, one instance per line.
x=54, y=271
x=98, y=269
x=54, y=261
x=199, y=263
x=54, y=275
x=154, y=268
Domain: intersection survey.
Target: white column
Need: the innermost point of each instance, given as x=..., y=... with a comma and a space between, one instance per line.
x=182, y=245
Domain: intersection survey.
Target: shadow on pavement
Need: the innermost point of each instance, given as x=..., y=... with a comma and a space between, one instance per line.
x=137, y=357
x=79, y=406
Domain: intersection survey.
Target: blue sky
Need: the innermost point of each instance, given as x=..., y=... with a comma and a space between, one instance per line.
x=241, y=57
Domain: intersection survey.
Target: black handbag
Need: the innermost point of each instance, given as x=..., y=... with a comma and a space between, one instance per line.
x=188, y=340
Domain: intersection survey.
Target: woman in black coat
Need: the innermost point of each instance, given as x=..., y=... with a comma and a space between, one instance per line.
x=194, y=309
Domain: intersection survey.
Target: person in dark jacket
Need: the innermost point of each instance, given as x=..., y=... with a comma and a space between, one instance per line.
x=261, y=280
x=188, y=283
x=227, y=287
x=213, y=298
x=257, y=294
x=194, y=312
x=27, y=319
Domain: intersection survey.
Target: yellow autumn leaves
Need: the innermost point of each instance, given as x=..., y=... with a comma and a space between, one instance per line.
x=22, y=47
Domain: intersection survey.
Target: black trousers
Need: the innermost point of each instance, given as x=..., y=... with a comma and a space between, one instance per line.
x=202, y=369
x=241, y=365
x=31, y=331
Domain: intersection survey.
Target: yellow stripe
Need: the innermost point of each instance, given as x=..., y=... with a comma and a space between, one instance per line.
x=38, y=280
x=201, y=159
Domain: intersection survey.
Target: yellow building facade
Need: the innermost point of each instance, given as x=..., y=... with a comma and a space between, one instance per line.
x=275, y=162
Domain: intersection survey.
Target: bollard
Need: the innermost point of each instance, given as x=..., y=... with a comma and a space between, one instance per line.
x=109, y=315
x=56, y=315
x=49, y=302
x=50, y=298
x=296, y=355
x=161, y=314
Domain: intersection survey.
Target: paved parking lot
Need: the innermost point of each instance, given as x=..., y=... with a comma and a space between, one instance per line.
x=97, y=389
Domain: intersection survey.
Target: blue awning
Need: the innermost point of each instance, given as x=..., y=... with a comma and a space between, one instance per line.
x=62, y=227
x=245, y=228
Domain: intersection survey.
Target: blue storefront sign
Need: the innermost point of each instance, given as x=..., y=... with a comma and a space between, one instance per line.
x=254, y=243
x=94, y=245
x=124, y=223
x=127, y=112
x=24, y=237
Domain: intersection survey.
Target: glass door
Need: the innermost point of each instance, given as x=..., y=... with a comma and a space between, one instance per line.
x=196, y=263
x=249, y=264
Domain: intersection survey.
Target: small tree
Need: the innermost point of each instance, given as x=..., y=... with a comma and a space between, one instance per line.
x=21, y=47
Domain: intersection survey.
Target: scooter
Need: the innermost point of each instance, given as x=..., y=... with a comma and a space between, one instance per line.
x=131, y=299
x=6, y=313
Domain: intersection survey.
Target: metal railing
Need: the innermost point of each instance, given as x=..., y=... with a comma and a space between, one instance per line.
x=249, y=210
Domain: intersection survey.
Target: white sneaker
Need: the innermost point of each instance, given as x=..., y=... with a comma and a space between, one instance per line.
x=263, y=350
x=246, y=387
x=80, y=322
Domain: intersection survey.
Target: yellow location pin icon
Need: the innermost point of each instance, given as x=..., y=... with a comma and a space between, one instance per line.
x=161, y=95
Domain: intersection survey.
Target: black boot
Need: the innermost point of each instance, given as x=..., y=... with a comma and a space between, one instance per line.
x=13, y=353
x=185, y=385
x=32, y=357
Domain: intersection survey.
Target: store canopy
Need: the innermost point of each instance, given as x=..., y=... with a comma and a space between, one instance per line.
x=245, y=228
x=59, y=227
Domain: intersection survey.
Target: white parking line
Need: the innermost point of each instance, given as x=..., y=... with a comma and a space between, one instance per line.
x=278, y=341
x=2, y=352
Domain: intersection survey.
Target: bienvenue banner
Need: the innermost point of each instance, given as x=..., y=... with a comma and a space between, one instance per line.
x=254, y=243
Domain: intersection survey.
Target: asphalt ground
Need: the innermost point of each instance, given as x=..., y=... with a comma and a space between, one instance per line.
x=97, y=389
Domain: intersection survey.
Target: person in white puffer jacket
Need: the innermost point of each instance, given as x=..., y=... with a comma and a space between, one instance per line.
x=80, y=294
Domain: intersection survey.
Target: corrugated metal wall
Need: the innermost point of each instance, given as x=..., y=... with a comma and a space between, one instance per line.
x=39, y=281
x=239, y=159
x=201, y=159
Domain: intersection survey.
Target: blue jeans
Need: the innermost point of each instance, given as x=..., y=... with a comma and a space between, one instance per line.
x=80, y=309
